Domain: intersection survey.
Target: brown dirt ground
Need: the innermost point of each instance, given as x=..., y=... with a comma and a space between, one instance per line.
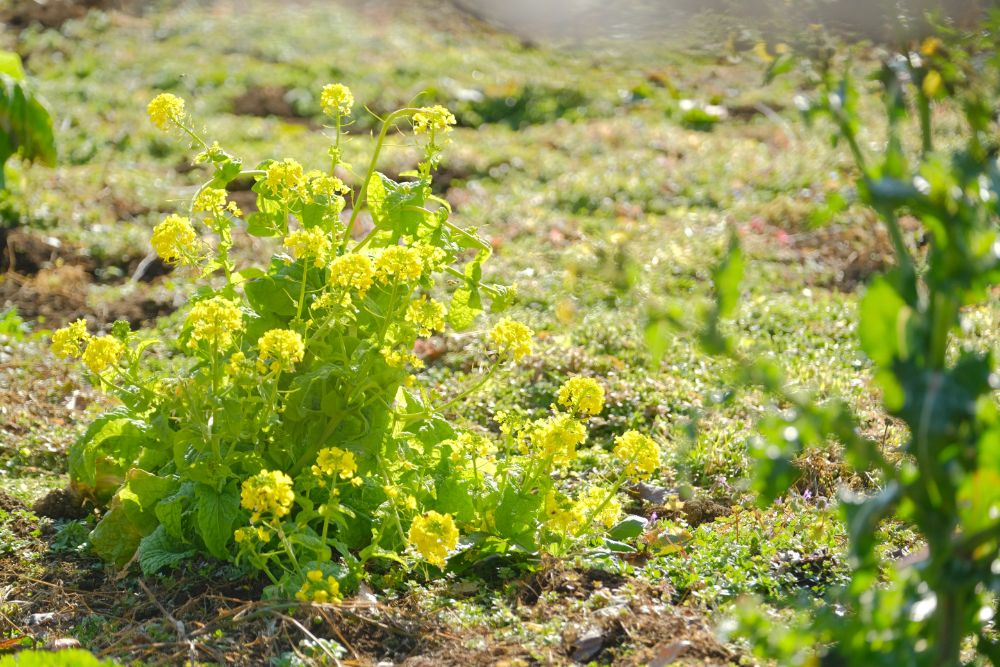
x=208, y=618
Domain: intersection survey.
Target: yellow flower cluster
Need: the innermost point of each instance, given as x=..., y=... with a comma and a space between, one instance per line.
x=334, y=461
x=174, y=239
x=557, y=438
x=336, y=99
x=260, y=533
x=311, y=243
x=582, y=395
x=215, y=201
x=511, y=338
x=352, y=270
x=560, y=519
x=284, y=178
x=214, y=321
x=433, y=535
x=432, y=119
x=324, y=185
x=268, y=491
x=427, y=315
x=639, y=453
x=400, y=358
x=279, y=350
x=400, y=262
x=595, y=504
x=236, y=365
x=67, y=340
x=433, y=258
x=317, y=589
x=165, y=109
x=102, y=352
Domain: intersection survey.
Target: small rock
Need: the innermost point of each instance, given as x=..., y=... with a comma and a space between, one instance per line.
x=588, y=645
x=41, y=619
x=63, y=643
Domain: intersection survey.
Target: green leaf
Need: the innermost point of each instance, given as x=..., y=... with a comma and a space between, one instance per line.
x=726, y=278
x=170, y=511
x=25, y=123
x=48, y=658
x=883, y=327
x=216, y=514
x=10, y=64
x=628, y=528
x=461, y=314
x=139, y=496
x=115, y=538
x=159, y=550
x=397, y=206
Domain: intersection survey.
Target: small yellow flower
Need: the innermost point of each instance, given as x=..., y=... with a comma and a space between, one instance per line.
x=317, y=589
x=165, y=109
x=931, y=46
x=638, y=453
x=583, y=395
x=511, y=338
x=235, y=367
x=279, y=350
x=66, y=341
x=268, y=491
x=336, y=99
x=312, y=243
x=432, y=119
x=557, y=438
x=400, y=262
x=595, y=504
x=211, y=200
x=326, y=185
x=352, y=270
x=335, y=461
x=284, y=178
x=560, y=519
x=174, y=239
x=427, y=315
x=433, y=535
x=214, y=321
x=400, y=358
x=102, y=352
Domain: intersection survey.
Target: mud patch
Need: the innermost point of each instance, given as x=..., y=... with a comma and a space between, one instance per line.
x=49, y=281
x=279, y=101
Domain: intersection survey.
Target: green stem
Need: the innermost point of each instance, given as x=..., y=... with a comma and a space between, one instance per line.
x=363, y=194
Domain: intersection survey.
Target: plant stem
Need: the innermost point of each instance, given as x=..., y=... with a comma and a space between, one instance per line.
x=363, y=194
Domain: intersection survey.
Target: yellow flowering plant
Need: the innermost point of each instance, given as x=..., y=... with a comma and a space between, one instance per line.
x=293, y=437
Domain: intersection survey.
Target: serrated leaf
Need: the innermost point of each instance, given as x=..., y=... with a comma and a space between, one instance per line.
x=216, y=514
x=159, y=550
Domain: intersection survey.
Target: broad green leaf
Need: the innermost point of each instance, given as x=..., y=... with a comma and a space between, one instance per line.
x=10, y=64
x=461, y=313
x=139, y=496
x=216, y=515
x=159, y=550
x=628, y=528
x=115, y=538
x=883, y=327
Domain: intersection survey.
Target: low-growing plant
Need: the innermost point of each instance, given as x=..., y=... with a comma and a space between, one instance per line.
x=294, y=437
x=945, y=481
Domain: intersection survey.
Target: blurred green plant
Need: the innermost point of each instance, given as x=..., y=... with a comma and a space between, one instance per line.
x=25, y=125
x=947, y=482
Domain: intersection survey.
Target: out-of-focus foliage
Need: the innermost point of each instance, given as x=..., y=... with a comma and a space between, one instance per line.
x=945, y=480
